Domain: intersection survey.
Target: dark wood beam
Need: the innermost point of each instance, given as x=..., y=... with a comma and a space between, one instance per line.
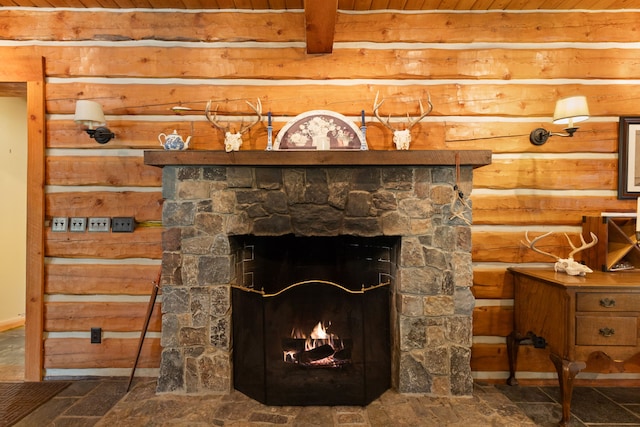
x=320, y=24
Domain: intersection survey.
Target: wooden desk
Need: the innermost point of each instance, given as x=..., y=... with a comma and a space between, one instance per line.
x=576, y=317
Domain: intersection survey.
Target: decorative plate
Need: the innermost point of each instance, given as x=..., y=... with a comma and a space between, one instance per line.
x=320, y=130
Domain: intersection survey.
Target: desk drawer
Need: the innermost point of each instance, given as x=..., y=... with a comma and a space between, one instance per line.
x=607, y=301
x=604, y=330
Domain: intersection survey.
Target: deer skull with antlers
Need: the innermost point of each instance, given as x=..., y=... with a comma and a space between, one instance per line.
x=402, y=137
x=567, y=265
x=233, y=140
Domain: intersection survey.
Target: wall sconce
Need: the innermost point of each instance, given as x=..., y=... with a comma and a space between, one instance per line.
x=89, y=114
x=568, y=111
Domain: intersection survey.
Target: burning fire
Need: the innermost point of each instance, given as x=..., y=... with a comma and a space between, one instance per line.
x=321, y=348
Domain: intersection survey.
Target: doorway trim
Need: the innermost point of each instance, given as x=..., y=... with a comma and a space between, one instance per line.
x=29, y=70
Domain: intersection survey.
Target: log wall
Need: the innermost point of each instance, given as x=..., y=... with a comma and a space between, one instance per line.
x=492, y=78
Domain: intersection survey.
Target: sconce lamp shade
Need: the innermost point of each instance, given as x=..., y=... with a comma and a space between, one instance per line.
x=571, y=110
x=89, y=114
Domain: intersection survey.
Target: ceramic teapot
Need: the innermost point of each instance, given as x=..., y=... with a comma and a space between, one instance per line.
x=173, y=141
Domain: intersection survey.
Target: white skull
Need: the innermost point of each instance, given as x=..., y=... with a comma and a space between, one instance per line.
x=232, y=141
x=571, y=267
x=402, y=139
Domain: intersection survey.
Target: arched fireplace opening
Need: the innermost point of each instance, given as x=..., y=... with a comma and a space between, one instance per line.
x=311, y=318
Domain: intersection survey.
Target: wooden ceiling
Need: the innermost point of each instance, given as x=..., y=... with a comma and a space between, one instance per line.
x=352, y=5
x=320, y=15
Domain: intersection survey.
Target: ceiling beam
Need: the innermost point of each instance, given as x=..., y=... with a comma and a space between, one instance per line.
x=320, y=24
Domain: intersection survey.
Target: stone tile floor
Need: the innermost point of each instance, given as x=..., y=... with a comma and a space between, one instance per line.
x=103, y=402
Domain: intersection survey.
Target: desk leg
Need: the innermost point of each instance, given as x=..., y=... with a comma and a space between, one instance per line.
x=567, y=371
x=513, y=344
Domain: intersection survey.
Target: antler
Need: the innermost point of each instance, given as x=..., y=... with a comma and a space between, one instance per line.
x=377, y=105
x=258, y=109
x=585, y=245
x=213, y=119
x=532, y=244
x=410, y=123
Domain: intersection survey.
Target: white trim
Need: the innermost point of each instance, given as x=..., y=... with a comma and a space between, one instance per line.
x=542, y=228
x=337, y=45
x=103, y=261
x=485, y=339
x=94, y=152
x=97, y=372
x=333, y=82
x=512, y=192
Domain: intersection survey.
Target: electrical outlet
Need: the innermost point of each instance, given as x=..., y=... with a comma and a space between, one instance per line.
x=77, y=224
x=99, y=224
x=96, y=335
x=122, y=224
x=59, y=224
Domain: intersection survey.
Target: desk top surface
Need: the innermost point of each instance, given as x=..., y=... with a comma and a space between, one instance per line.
x=591, y=280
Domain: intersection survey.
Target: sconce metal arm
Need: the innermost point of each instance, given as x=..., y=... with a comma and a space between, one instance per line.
x=540, y=135
x=102, y=135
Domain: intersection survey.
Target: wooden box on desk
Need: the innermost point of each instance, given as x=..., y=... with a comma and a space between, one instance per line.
x=617, y=248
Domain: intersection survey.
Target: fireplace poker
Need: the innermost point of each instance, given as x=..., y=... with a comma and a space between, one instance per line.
x=152, y=301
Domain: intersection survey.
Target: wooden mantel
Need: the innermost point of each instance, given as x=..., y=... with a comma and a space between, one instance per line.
x=475, y=158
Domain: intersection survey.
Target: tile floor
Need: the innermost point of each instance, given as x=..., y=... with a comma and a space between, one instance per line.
x=104, y=402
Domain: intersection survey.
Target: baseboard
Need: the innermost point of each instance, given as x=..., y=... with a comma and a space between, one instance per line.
x=7, y=324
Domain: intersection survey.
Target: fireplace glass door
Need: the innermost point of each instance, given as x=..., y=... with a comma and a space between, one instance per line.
x=315, y=329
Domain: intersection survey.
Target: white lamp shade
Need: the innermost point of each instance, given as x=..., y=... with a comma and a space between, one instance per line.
x=571, y=110
x=89, y=113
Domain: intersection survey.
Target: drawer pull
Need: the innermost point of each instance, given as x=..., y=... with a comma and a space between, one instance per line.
x=607, y=302
x=607, y=332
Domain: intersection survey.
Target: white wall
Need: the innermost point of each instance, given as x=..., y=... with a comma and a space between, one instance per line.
x=13, y=209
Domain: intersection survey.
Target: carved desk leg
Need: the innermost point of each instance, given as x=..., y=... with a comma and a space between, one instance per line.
x=513, y=343
x=567, y=371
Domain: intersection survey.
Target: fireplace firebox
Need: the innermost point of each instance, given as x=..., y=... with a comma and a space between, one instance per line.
x=311, y=319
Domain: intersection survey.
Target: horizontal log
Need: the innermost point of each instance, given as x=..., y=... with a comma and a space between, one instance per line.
x=289, y=26
x=141, y=206
x=519, y=209
x=91, y=279
x=508, y=247
x=492, y=284
x=493, y=357
x=144, y=242
x=492, y=321
x=449, y=99
x=113, y=316
x=501, y=137
x=72, y=25
x=98, y=170
x=79, y=353
x=294, y=63
x=549, y=174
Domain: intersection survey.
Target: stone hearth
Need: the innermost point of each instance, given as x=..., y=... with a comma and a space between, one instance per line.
x=431, y=310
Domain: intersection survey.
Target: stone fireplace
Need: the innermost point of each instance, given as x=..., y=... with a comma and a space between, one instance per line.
x=212, y=197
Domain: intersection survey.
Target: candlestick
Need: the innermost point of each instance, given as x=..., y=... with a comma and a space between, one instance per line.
x=362, y=117
x=269, y=133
